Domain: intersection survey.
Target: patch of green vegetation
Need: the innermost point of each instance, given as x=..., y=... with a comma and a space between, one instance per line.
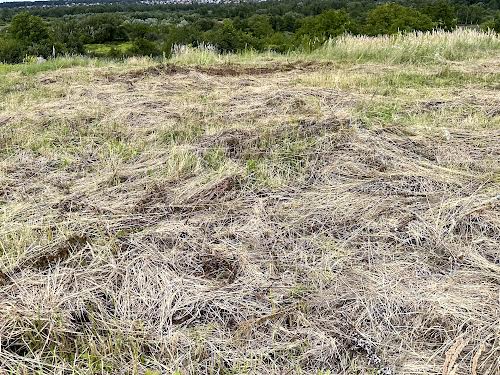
x=377, y=113
x=182, y=132
x=215, y=158
x=125, y=151
x=399, y=81
x=32, y=68
x=108, y=49
x=279, y=163
x=181, y=163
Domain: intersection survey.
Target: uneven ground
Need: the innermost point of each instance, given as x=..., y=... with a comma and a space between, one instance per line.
x=300, y=217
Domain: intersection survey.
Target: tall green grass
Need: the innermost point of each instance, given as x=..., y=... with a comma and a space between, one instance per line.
x=418, y=47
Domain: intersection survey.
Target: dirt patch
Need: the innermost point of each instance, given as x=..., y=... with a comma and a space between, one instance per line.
x=223, y=70
x=47, y=80
x=311, y=128
x=44, y=260
x=233, y=141
x=218, y=267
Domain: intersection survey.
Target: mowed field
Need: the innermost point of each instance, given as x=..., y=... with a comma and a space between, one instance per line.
x=336, y=212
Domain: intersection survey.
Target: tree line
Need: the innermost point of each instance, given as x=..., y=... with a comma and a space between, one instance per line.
x=280, y=26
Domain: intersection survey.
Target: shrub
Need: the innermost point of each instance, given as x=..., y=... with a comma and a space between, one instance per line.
x=144, y=47
x=280, y=42
x=10, y=51
x=492, y=24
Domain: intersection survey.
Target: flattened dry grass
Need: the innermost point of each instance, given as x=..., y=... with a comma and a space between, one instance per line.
x=277, y=217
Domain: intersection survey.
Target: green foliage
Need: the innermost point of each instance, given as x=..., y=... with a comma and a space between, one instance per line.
x=289, y=22
x=280, y=42
x=315, y=30
x=102, y=28
x=260, y=26
x=228, y=38
x=394, y=18
x=28, y=29
x=492, y=24
x=30, y=33
x=10, y=50
x=443, y=13
x=68, y=37
x=144, y=47
x=112, y=50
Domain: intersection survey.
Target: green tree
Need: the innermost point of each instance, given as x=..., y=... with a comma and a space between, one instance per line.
x=443, y=13
x=67, y=36
x=472, y=14
x=260, y=26
x=315, y=30
x=29, y=29
x=393, y=18
x=31, y=33
x=492, y=24
x=102, y=28
x=280, y=42
x=289, y=22
x=228, y=38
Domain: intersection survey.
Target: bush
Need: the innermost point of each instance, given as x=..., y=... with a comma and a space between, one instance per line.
x=31, y=36
x=492, y=24
x=102, y=28
x=143, y=47
x=280, y=42
x=11, y=51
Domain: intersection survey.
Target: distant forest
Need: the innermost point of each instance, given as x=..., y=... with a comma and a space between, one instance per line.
x=128, y=28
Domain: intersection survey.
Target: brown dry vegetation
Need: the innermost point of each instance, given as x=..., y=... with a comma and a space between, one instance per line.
x=280, y=217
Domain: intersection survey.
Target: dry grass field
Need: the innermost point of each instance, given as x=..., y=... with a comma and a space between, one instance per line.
x=328, y=213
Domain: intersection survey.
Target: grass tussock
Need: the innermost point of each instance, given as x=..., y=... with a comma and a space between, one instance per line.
x=253, y=216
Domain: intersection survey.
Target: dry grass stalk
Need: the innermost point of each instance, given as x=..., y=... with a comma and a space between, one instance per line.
x=475, y=359
x=452, y=354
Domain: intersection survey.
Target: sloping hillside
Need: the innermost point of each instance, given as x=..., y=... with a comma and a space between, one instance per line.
x=304, y=214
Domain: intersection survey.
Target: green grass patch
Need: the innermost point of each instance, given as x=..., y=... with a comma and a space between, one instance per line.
x=32, y=68
x=107, y=49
